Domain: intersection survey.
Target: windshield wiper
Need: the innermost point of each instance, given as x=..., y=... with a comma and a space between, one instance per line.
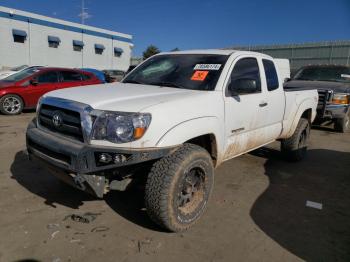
x=167, y=84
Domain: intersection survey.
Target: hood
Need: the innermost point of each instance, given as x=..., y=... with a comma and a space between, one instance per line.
x=4, y=74
x=337, y=87
x=120, y=96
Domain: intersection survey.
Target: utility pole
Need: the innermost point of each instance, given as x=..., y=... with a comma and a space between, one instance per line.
x=83, y=12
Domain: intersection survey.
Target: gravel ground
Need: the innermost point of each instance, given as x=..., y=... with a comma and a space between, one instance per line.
x=257, y=211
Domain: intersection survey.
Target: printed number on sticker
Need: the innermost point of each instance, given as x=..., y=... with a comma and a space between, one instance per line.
x=207, y=67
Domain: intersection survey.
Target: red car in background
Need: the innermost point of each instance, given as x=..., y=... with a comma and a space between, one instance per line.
x=23, y=89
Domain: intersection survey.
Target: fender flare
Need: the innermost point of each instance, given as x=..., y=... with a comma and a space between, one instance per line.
x=192, y=128
x=306, y=104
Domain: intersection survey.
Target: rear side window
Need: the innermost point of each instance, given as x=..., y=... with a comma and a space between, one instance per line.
x=271, y=75
x=86, y=77
x=48, y=77
x=70, y=76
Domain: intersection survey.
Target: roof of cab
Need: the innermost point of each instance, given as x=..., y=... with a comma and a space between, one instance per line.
x=214, y=52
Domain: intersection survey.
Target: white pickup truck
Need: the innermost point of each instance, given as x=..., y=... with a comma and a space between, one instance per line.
x=178, y=115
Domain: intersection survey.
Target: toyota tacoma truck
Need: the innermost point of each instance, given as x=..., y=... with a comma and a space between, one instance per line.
x=178, y=115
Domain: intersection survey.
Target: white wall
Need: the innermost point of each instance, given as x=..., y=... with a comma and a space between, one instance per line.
x=11, y=53
x=63, y=56
x=35, y=50
x=122, y=62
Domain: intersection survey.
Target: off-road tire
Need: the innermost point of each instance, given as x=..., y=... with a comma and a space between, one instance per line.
x=16, y=98
x=295, y=147
x=165, y=183
x=342, y=124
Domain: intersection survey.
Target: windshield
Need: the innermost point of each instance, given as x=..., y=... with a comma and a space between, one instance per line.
x=332, y=74
x=186, y=71
x=21, y=75
x=18, y=68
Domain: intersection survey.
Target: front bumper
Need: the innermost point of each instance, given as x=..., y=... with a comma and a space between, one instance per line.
x=79, y=160
x=332, y=111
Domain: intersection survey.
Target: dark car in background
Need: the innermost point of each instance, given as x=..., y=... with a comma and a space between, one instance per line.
x=23, y=89
x=333, y=85
x=114, y=75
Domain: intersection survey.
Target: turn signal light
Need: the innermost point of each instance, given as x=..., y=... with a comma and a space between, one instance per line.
x=139, y=132
x=340, y=99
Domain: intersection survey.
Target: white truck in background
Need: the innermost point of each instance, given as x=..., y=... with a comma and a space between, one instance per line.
x=283, y=66
x=179, y=115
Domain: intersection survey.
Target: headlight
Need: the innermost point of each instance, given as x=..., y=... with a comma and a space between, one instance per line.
x=119, y=127
x=340, y=99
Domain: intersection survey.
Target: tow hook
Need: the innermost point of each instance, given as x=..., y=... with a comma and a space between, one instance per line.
x=91, y=183
x=79, y=182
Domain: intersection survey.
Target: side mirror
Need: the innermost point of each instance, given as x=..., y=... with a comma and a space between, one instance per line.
x=34, y=82
x=243, y=86
x=287, y=79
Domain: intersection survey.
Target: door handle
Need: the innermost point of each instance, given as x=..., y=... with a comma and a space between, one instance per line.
x=263, y=104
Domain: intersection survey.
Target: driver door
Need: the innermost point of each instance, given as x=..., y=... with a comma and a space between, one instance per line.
x=39, y=85
x=245, y=107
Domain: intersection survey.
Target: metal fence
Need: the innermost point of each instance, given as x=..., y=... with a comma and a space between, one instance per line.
x=334, y=52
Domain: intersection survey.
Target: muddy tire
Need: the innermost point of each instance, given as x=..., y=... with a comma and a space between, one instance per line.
x=342, y=124
x=295, y=147
x=178, y=188
x=11, y=105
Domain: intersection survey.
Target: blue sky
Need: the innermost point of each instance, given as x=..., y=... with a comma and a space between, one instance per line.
x=189, y=24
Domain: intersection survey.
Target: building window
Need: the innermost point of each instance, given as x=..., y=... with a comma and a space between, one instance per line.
x=78, y=45
x=19, y=36
x=118, y=51
x=54, y=41
x=99, y=49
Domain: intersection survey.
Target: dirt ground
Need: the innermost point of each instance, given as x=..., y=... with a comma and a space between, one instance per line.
x=257, y=211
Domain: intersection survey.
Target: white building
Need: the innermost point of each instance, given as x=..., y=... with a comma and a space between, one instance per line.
x=31, y=39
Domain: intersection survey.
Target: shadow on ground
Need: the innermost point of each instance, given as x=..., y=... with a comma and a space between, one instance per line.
x=38, y=181
x=311, y=234
x=128, y=204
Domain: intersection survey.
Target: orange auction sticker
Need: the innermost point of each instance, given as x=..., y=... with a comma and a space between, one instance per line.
x=199, y=75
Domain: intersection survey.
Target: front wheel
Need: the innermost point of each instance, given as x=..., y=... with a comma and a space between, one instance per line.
x=342, y=124
x=295, y=147
x=11, y=105
x=178, y=187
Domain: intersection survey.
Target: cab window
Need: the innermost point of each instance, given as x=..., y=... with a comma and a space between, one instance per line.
x=245, y=77
x=271, y=75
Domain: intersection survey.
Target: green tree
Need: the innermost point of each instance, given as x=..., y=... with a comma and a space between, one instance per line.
x=150, y=51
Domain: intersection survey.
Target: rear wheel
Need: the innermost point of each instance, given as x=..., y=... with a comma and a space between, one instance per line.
x=178, y=188
x=11, y=105
x=295, y=147
x=342, y=124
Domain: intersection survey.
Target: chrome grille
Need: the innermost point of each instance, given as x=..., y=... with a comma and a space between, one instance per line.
x=324, y=97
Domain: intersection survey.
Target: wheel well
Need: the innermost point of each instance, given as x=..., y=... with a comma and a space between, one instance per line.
x=307, y=115
x=208, y=142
